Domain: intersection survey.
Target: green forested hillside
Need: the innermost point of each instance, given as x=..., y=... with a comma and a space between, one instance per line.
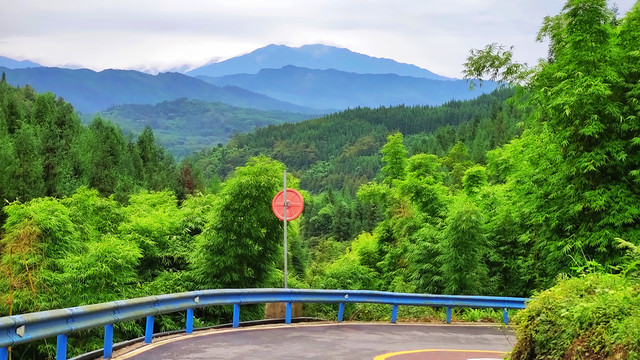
x=184, y=126
x=46, y=151
x=341, y=150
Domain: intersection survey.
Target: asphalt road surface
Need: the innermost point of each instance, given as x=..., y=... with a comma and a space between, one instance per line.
x=333, y=341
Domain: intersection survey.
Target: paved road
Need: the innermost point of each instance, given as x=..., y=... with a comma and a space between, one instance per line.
x=333, y=341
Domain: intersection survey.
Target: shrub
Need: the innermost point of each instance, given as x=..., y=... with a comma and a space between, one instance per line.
x=596, y=316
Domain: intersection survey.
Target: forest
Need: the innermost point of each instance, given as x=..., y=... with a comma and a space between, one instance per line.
x=183, y=126
x=532, y=191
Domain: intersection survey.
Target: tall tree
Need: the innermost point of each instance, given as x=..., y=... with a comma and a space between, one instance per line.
x=464, y=247
x=458, y=161
x=28, y=179
x=394, y=157
x=104, y=152
x=581, y=102
x=586, y=182
x=240, y=244
x=628, y=65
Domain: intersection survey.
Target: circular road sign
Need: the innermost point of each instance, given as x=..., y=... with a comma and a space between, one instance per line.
x=295, y=204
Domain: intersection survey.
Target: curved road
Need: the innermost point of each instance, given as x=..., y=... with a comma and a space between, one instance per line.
x=333, y=341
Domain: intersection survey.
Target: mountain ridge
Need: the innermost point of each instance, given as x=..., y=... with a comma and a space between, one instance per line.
x=16, y=64
x=313, y=56
x=334, y=89
x=91, y=91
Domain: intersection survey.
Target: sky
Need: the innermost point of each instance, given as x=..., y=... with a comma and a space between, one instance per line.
x=162, y=35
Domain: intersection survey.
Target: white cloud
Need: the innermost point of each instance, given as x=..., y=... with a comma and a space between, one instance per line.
x=162, y=34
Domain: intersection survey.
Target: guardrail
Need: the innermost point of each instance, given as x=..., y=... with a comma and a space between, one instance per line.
x=20, y=329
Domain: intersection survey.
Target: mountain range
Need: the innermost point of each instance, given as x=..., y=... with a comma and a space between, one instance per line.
x=204, y=106
x=311, y=79
x=333, y=89
x=91, y=91
x=317, y=57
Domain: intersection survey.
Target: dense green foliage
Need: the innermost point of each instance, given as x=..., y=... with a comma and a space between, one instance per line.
x=46, y=151
x=184, y=126
x=86, y=249
x=573, y=176
x=239, y=245
x=342, y=150
x=591, y=317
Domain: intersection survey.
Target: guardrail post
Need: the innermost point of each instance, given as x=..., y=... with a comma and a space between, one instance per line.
x=287, y=318
x=189, y=329
x=448, y=315
x=108, y=341
x=61, y=347
x=505, y=316
x=148, y=332
x=4, y=353
x=236, y=315
x=340, y=312
x=394, y=314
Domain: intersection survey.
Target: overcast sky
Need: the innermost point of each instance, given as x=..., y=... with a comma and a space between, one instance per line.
x=163, y=34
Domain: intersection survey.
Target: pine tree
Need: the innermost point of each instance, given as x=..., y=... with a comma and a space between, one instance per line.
x=27, y=175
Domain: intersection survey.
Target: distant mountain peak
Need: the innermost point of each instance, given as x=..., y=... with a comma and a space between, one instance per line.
x=17, y=64
x=312, y=56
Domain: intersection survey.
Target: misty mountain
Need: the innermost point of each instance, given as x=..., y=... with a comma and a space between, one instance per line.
x=333, y=89
x=91, y=91
x=15, y=64
x=184, y=126
x=320, y=57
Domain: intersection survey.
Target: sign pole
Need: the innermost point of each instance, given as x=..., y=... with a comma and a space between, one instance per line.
x=285, y=228
x=286, y=205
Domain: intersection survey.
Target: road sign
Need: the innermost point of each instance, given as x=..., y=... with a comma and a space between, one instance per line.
x=294, y=202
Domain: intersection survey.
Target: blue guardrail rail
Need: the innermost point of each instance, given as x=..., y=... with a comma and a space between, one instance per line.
x=20, y=329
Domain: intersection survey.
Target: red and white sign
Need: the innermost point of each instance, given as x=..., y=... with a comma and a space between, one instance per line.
x=295, y=204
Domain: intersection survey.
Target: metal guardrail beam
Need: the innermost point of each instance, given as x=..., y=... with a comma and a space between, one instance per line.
x=19, y=329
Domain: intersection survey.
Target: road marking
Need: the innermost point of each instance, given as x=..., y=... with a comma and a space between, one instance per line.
x=390, y=355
